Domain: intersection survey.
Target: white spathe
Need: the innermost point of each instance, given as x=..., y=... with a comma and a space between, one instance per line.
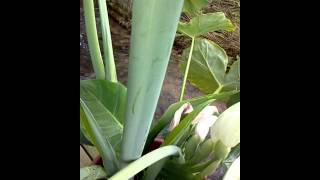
x=233, y=172
x=227, y=127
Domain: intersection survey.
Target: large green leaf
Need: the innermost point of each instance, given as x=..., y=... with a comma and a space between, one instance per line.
x=208, y=68
x=205, y=23
x=111, y=95
x=105, y=101
x=191, y=6
x=95, y=132
x=92, y=173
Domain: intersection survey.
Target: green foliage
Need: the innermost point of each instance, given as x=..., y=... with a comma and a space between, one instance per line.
x=208, y=68
x=105, y=102
x=92, y=172
x=111, y=163
x=192, y=6
x=110, y=115
x=205, y=23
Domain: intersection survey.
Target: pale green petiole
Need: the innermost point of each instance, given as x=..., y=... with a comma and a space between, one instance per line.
x=145, y=161
x=186, y=71
x=110, y=68
x=93, y=42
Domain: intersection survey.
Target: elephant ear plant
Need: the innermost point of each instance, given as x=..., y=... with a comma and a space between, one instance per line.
x=117, y=120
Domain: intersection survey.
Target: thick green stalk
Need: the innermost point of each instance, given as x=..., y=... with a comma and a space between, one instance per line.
x=110, y=68
x=91, y=29
x=145, y=161
x=186, y=71
x=154, y=25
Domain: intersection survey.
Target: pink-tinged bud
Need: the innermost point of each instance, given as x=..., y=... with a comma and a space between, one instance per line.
x=204, y=124
x=184, y=109
x=206, y=112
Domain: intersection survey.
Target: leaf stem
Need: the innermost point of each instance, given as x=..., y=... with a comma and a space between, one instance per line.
x=145, y=161
x=92, y=36
x=186, y=71
x=218, y=90
x=110, y=68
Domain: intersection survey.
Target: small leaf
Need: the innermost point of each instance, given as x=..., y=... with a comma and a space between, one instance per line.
x=191, y=146
x=92, y=173
x=205, y=23
x=203, y=151
x=208, y=170
x=194, y=5
x=221, y=151
x=232, y=79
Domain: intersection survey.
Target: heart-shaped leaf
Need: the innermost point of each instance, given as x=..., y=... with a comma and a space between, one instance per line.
x=208, y=68
x=205, y=23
